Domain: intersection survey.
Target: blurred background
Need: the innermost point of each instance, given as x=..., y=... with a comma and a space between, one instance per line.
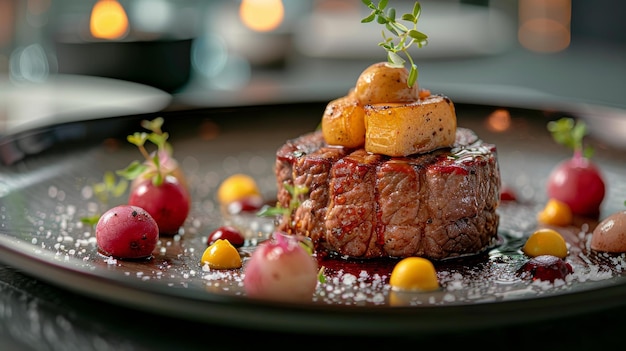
x=66, y=59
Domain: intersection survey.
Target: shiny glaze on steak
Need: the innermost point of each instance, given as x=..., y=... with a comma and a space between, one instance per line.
x=437, y=205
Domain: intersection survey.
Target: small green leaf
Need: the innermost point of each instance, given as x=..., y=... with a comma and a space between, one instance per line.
x=417, y=10
x=268, y=211
x=138, y=138
x=157, y=179
x=321, y=276
x=391, y=29
x=391, y=14
x=369, y=18
x=91, y=220
x=119, y=189
x=412, y=75
x=133, y=170
x=417, y=35
x=395, y=60
x=160, y=140
x=109, y=187
x=109, y=179
x=154, y=126
x=156, y=160
x=409, y=17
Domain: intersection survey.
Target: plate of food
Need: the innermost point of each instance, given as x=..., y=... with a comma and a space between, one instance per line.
x=390, y=210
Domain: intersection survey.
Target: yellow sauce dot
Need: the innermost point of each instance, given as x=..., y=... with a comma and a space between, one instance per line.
x=545, y=242
x=556, y=213
x=221, y=255
x=237, y=187
x=414, y=274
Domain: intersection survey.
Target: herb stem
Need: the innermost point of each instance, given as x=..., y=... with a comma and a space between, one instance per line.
x=406, y=36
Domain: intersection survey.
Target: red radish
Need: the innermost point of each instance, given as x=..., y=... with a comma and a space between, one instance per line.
x=127, y=232
x=577, y=181
x=158, y=183
x=168, y=202
x=281, y=269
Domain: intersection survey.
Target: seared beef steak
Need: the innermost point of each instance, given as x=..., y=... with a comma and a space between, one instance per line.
x=436, y=205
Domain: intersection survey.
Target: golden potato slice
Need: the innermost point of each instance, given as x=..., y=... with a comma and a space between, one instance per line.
x=343, y=122
x=402, y=129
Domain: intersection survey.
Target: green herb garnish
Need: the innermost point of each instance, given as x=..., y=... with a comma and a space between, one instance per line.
x=321, y=276
x=406, y=36
x=91, y=220
x=110, y=187
x=113, y=187
x=568, y=132
x=139, y=139
x=296, y=193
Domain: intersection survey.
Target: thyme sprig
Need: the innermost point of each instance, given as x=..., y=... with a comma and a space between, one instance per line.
x=406, y=36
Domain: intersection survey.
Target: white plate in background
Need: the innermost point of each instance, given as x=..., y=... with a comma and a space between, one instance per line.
x=63, y=98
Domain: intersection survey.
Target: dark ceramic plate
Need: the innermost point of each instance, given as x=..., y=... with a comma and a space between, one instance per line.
x=45, y=189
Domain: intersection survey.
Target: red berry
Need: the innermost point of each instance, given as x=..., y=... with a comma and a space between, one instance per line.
x=127, y=232
x=168, y=203
x=507, y=194
x=545, y=267
x=578, y=183
x=229, y=233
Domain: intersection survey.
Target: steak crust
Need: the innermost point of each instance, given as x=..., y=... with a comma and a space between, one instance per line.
x=437, y=205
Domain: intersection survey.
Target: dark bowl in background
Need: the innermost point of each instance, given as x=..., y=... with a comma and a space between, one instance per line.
x=164, y=63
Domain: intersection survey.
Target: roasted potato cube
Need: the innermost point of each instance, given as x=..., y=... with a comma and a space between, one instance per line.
x=402, y=129
x=343, y=122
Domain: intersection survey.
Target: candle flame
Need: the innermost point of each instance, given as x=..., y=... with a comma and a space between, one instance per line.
x=262, y=15
x=108, y=20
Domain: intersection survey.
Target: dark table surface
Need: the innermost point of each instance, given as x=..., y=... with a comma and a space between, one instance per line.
x=38, y=316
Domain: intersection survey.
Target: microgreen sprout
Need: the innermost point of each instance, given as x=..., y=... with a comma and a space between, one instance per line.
x=568, y=132
x=139, y=139
x=321, y=276
x=296, y=193
x=110, y=187
x=406, y=36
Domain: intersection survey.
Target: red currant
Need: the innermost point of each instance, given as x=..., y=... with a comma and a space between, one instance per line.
x=507, y=194
x=232, y=234
x=545, y=267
